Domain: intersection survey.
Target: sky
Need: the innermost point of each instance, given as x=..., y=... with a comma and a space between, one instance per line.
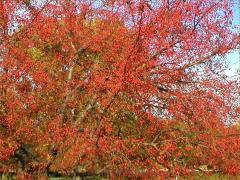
x=234, y=57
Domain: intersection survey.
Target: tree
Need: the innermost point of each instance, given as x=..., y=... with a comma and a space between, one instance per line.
x=117, y=89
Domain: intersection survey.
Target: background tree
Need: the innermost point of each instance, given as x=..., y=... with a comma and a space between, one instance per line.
x=117, y=89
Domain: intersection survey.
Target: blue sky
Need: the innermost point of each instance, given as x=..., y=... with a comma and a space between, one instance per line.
x=234, y=57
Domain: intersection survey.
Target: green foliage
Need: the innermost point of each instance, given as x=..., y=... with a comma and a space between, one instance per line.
x=35, y=53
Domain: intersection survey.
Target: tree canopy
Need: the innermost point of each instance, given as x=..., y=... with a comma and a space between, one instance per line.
x=117, y=89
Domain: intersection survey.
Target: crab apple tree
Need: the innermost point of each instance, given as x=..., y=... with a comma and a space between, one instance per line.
x=127, y=88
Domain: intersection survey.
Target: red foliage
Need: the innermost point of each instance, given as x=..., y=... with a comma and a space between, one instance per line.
x=118, y=88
